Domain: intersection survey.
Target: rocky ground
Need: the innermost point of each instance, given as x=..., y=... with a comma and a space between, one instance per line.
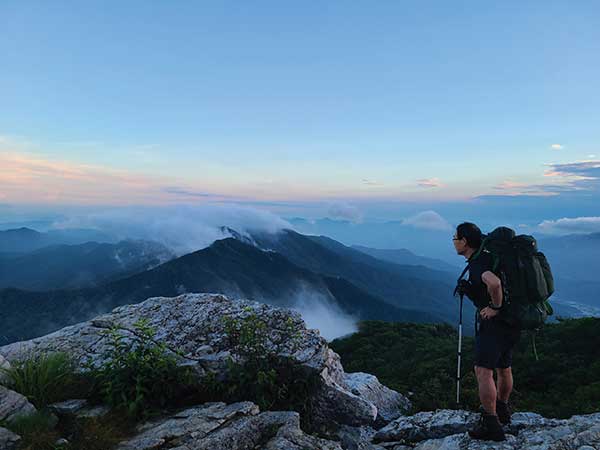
x=357, y=411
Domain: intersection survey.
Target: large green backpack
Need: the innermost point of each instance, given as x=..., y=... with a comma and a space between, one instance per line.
x=526, y=277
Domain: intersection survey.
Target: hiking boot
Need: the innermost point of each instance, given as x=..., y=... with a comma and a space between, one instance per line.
x=503, y=411
x=488, y=429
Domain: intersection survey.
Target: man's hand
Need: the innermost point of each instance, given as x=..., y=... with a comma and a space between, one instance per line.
x=463, y=288
x=488, y=313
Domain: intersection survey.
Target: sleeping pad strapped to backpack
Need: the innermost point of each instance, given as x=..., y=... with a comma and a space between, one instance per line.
x=526, y=277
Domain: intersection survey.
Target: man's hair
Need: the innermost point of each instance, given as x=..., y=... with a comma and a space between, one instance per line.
x=471, y=233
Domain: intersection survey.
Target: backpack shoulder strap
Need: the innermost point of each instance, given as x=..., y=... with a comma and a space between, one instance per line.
x=496, y=262
x=479, y=250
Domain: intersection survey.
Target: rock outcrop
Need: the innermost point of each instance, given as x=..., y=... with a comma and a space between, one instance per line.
x=217, y=426
x=446, y=430
x=193, y=324
x=366, y=415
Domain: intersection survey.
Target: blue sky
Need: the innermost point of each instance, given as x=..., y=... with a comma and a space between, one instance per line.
x=376, y=105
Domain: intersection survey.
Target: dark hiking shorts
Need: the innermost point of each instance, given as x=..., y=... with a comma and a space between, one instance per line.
x=494, y=344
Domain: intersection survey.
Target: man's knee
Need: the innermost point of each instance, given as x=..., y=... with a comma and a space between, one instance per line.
x=504, y=373
x=483, y=373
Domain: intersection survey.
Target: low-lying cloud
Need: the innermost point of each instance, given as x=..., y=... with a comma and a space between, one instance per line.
x=319, y=312
x=182, y=229
x=428, y=220
x=345, y=211
x=576, y=225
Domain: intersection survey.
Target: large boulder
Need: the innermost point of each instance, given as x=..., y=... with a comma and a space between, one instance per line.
x=13, y=405
x=193, y=324
x=390, y=404
x=217, y=426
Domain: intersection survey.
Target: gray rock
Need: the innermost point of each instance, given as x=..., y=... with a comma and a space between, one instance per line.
x=291, y=437
x=390, y=404
x=357, y=438
x=13, y=405
x=9, y=440
x=445, y=430
x=68, y=407
x=92, y=412
x=427, y=425
x=4, y=365
x=217, y=426
x=193, y=324
x=464, y=442
x=335, y=402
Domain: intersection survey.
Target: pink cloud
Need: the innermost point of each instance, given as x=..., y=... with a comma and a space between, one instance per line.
x=430, y=182
x=26, y=178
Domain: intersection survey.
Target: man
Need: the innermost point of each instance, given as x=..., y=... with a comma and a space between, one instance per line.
x=494, y=339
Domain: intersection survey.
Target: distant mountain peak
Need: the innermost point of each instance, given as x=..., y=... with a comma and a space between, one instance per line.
x=24, y=230
x=242, y=237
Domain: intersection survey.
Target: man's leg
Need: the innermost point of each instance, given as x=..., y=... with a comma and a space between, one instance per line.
x=487, y=389
x=505, y=384
x=489, y=426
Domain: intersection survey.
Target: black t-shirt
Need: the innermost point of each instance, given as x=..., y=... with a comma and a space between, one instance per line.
x=478, y=292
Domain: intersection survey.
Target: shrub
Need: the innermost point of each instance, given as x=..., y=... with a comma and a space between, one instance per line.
x=261, y=374
x=43, y=378
x=139, y=374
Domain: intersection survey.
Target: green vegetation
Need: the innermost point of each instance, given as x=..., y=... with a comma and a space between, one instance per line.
x=260, y=374
x=95, y=433
x=36, y=430
x=45, y=378
x=139, y=374
x=138, y=378
x=422, y=359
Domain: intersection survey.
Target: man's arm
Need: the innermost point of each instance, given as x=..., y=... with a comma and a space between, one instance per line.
x=494, y=287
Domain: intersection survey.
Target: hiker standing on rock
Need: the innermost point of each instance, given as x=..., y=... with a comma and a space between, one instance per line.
x=494, y=339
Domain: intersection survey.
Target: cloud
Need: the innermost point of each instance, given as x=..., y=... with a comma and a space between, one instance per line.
x=587, y=170
x=182, y=228
x=580, y=177
x=557, y=146
x=430, y=182
x=320, y=312
x=346, y=212
x=190, y=193
x=29, y=178
x=371, y=182
x=428, y=220
x=576, y=176
x=577, y=225
x=515, y=188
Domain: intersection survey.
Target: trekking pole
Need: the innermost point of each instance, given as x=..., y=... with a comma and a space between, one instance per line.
x=460, y=320
x=459, y=350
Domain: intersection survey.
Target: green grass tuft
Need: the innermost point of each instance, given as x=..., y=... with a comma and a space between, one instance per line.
x=42, y=378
